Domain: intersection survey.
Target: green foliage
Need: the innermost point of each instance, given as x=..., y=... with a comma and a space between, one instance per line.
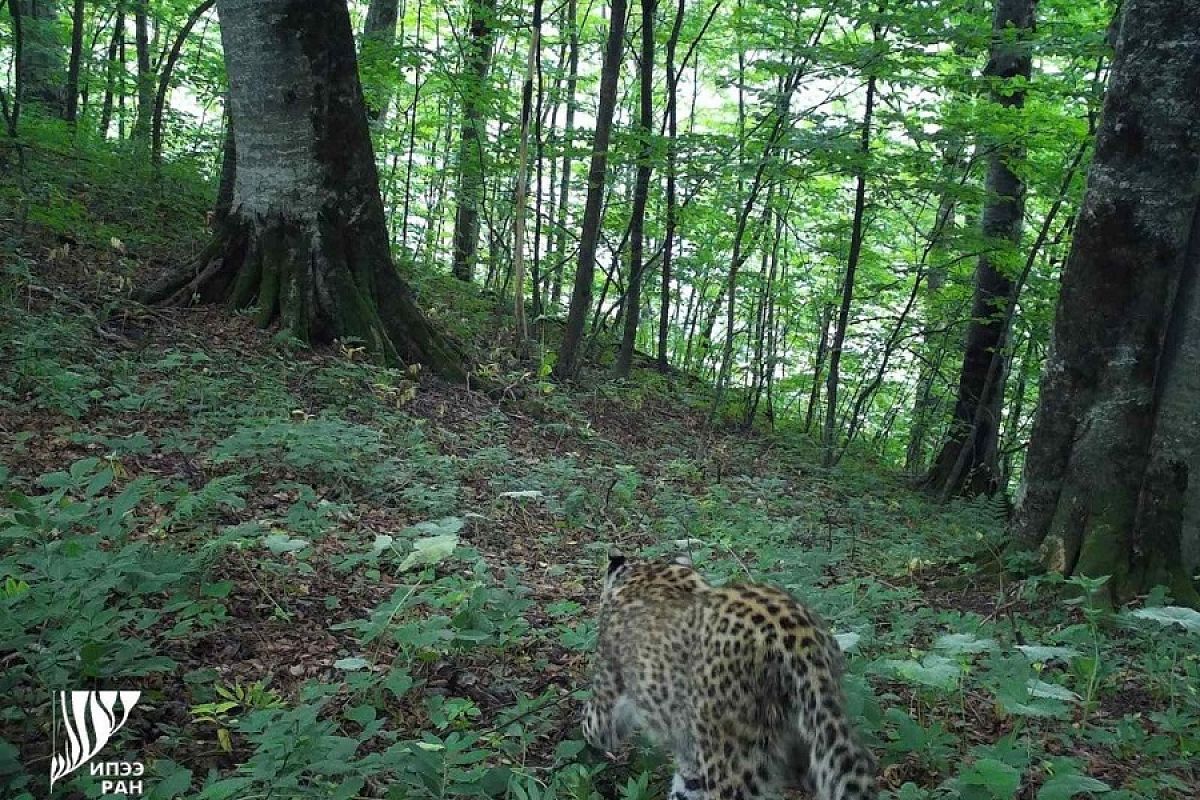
x=351, y=582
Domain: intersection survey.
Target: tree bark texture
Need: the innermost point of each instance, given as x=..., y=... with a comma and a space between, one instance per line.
x=581, y=293
x=968, y=462
x=1112, y=475
x=306, y=240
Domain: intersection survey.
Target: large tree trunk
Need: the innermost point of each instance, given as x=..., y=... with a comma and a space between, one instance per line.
x=1111, y=477
x=43, y=55
x=471, y=139
x=225, y=185
x=641, y=191
x=589, y=239
x=306, y=240
x=968, y=462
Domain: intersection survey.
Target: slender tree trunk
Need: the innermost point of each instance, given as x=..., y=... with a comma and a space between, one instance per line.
x=473, y=87
x=375, y=58
x=581, y=294
x=535, y=42
x=110, y=74
x=641, y=191
x=1110, y=484
x=1016, y=410
x=145, y=74
x=411, y=121
x=71, y=110
x=539, y=120
x=564, y=193
x=968, y=460
x=814, y=393
x=43, y=55
x=122, y=114
x=763, y=358
x=829, y=452
x=12, y=113
x=672, y=202
x=164, y=79
x=933, y=340
x=308, y=246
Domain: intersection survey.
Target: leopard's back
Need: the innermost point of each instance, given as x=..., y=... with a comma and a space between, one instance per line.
x=741, y=682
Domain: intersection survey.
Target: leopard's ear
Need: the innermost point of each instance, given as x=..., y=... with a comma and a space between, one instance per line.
x=615, y=561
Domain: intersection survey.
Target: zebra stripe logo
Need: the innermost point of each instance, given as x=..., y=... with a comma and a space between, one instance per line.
x=89, y=720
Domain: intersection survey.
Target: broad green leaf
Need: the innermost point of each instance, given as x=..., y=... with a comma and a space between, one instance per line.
x=1051, y=691
x=1187, y=618
x=1042, y=653
x=446, y=526
x=1067, y=786
x=934, y=671
x=999, y=779
x=960, y=643
x=430, y=550
x=280, y=543
x=848, y=641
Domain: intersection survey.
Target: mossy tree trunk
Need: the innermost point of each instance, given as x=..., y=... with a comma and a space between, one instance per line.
x=1112, y=481
x=305, y=241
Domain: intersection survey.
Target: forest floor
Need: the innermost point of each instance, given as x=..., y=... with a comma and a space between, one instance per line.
x=330, y=579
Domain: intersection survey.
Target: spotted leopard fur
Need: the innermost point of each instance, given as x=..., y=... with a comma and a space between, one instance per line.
x=741, y=683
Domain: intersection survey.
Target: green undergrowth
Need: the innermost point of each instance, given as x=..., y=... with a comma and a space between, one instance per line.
x=332, y=580
x=433, y=575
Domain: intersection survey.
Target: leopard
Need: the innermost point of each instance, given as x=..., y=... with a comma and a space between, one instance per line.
x=741, y=683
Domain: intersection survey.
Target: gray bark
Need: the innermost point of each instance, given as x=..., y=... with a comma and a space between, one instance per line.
x=1111, y=486
x=306, y=241
x=224, y=202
